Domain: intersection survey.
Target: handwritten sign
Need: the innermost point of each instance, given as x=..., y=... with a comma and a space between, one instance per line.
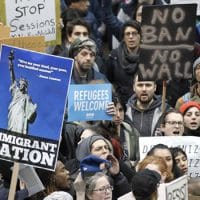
x=89, y=102
x=32, y=18
x=35, y=43
x=190, y=144
x=177, y=189
x=167, y=42
x=187, y=2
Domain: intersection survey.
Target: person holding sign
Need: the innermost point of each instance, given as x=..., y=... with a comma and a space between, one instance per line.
x=182, y=163
x=84, y=53
x=5, y=182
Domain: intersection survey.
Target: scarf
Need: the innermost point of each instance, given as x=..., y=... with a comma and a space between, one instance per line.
x=82, y=80
x=127, y=61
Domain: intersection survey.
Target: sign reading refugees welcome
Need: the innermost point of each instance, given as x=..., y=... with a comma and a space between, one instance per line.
x=89, y=102
x=33, y=97
x=32, y=18
x=168, y=34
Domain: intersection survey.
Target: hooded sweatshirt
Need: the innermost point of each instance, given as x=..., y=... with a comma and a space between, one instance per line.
x=145, y=121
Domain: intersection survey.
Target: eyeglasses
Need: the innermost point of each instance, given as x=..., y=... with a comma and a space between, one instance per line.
x=128, y=34
x=104, y=189
x=173, y=123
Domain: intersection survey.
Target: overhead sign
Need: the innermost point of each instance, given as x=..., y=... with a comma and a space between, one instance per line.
x=167, y=42
x=33, y=95
x=89, y=102
x=190, y=144
x=187, y=2
x=35, y=43
x=32, y=18
x=4, y=31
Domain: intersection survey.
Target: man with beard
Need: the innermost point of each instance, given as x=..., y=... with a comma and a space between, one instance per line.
x=144, y=108
x=84, y=52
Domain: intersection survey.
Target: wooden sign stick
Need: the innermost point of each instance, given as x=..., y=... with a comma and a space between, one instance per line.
x=164, y=90
x=13, y=184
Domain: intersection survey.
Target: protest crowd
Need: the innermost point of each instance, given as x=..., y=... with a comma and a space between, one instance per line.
x=100, y=159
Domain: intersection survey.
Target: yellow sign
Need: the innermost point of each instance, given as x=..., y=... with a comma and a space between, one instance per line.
x=4, y=31
x=35, y=43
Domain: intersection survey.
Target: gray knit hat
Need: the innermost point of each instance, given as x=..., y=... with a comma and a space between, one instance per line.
x=84, y=147
x=79, y=44
x=196, y=62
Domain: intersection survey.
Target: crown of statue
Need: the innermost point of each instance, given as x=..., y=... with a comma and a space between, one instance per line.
x=24, y=80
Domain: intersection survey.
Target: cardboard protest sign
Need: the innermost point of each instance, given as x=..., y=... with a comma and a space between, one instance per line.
x=177, y=189
x=32, y=18
x=168, y=34
x=33, y=89
x=35, y=43
x=4, y=31
x=187, y=2
x=89, y=102
x=190, y=144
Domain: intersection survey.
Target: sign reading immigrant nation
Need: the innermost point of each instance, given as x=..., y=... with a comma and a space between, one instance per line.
x=168, y=34
x=89, y=102
x=32, y=18
x=33, y=89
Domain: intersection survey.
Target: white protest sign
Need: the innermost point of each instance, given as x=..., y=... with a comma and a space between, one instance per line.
x=177, y=189
x=31, y=18
x=187, y=2
x=190, y=144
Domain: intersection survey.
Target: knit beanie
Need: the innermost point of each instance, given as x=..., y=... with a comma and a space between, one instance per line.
x=196, y=62
x=79, y=44
x=184, y=107
x=84, y=147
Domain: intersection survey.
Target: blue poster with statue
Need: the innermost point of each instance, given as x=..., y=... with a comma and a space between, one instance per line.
x=33, y=95
x=88, y=102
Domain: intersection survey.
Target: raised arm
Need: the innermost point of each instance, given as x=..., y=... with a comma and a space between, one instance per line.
x=11, y=65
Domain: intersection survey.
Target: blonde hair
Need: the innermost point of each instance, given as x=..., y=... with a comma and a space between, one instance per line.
x=163, y=168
